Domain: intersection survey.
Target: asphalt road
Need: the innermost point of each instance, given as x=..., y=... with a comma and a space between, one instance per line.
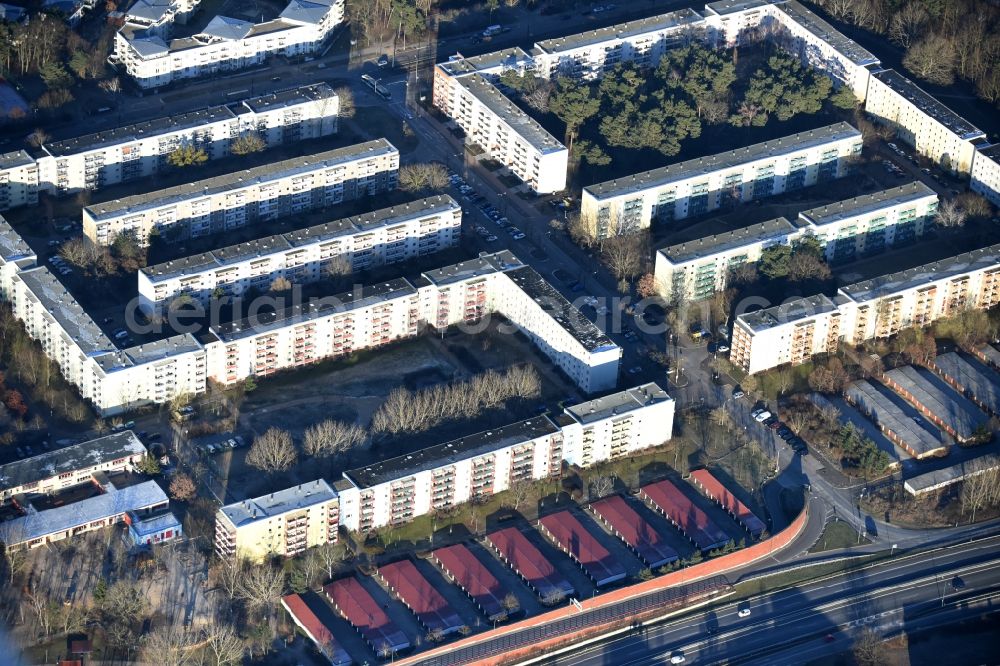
x=819, y=618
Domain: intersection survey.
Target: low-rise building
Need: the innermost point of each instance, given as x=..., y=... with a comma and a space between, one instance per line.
x=871, y=223
x=153, y=60
x=56, y=470
x=352, y=244
x=985, y=176
x=282, y=523
x=699, y=268
x=259, y=194
x=941, y=478
x=148, y=531
x=700, y=185
x=921, y=121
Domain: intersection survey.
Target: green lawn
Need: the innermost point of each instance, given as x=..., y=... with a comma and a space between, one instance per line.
x=837, y=534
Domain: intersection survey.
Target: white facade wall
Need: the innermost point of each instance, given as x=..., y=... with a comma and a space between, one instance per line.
x=698, y=186
x=18, y=180
x=255, y=195
x=384, y=237
x=985, y=178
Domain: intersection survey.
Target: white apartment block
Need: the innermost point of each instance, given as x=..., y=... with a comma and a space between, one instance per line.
x=225, y=44
x=870, y=223
x=377, y=315
x=795, y=331
x=493, y=122
x=386, y=236
x=140, y=150
x=921, y=121
x=53, y=471
x=395, y=491
x=157, y=16
x=985, y=178
x=697, y=269
x=18, y=180
x=259, y=194
x=697, y=186
x=283, y=523
x=588, y=55
x=15, y=256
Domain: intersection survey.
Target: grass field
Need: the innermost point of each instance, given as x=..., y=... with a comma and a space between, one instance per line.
x=837, y=534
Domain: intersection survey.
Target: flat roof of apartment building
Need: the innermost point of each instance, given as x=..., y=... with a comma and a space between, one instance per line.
x=479, y=444
x=867, y=203
x=928, y=104
x=934, y=395
x=70, y=459
x=279, y=502
x=702, y=166
x=457, y=65
x=992, y=151
x=583, y=330
x=826, y=33
x=307, y=11
x=364, y=296
x=138, y=131
x=289, y=97
x=268, y=245
x=12, y=246
x=882, y=411
x=240, y=179
x=789, y=312
x=116, y=501
x=520, y=122
x=620, y=31
x=700, y=248
x=978, y=381
x=618, y=403
x=14, y=159
x=69, y=314
x=911, y=278
x=150, y=352
x=723, y=7
x=939, y=478
x=484, y=264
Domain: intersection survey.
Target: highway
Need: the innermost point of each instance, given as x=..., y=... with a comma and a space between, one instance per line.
x=823, y=617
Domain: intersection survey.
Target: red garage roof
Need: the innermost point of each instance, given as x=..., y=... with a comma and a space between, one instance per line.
x=580, y=544
x=470, y=574
x=304, y=617
x=718, y=492
x=526, y=560
x=634, y=530
x=683, y=513
x=354, y=602
x=419, y=595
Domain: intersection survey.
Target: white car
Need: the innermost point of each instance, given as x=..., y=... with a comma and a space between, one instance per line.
x=744, y=612
x=677, y=658
x=763, y=416
x=518, y=236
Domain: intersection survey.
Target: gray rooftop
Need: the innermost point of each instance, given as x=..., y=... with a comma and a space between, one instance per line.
x=38, y=524
x=886, y=285
x=618, y=404
x=622, y=31
x=12, y=246
x=70, y=459
x=702, y=166
x=306, y=11
x=723, y=7
x=939, y=399
x=240, y=179
x=867, y=203
x=17, y=158
x=827, y=33
x=946, y=476
x=929, y=105
x=451, y=452
x=139, y=131
x=561, y=310
x=489, y=63
x=361, y=297
x=778, y=228
x=796, y=309
x=883, y=411
x=150, y=10
x=225, y=27
x=280, y=243
x=991, y=353
x=277, y=503
x=268, y=27
x=991, y=151
x=290, y=97
x=520, y=122
x=979, y=382
x=485, y=264
x=64, y=309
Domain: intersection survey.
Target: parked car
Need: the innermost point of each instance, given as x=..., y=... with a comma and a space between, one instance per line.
x=491, y=239
x=784, y=432
x=518, y=236
x=761, y=416
x=722, y=348
x=775, y=424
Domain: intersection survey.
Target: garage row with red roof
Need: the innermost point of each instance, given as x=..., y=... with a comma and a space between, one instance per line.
x=490, y=589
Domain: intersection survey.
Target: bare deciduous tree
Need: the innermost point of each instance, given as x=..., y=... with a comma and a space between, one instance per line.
x=261, y=586
x=517, y=494
x=223, y=646
x=330, y=437
x=182, y=488
x=868, y=649
x=79, y=251
x=423, y=177
x=510, y=602
x=280, y=284
x=950, y=214
x=601, y=486
x=932, y=59
x=981, y=487
x=908, y=24
x=331, y=554
x=346, y=101
x=247, y=143
x=624, y=255
x=272, y=452
x=166, y=646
